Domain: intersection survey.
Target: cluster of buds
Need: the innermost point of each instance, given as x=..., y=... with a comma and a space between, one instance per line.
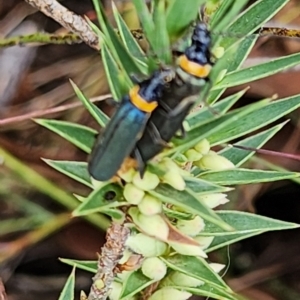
x=201, y=156
x=175, y=278
x=150, y=249
x=156, y=235
x=137, y=190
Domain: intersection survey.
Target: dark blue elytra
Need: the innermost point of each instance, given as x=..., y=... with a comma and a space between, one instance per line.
x=176, y=100
x=125, y=128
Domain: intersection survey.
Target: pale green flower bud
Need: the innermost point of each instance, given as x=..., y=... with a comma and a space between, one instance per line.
x=204, y=241
x=211, y=7
x=128, y=175
x=213, y=200
x=221, y=75
x=149, y=181
x=133, y=194
x=146, y=245
x=203, y=146
x=168, y=293
x=181, y=279
x=154, y=225
x=172, y=174
x=175, y=180
x=187, y=249
x=191, y=227
x=126, y=254
x=218, y=52
x=150, y=205
x=154, y=268
x=213, y=161
x=99, y=283
x=217, y=267
x=115, y=292
x=169, y=165
x=193, y=155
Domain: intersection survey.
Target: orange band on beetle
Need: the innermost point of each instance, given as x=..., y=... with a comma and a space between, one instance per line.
x=139, y=102
x=193, y=68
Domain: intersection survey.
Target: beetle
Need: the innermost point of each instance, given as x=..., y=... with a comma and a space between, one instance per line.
x=193, y=68
x=127, y=125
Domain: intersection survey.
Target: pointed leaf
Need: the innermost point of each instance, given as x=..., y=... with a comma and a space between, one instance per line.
x=245, y=176
x=252, y=18
x=98, y=115
x=130, y=42
x=214, y=127
x=76, y=170
x=97, y=202
x=195, y=267
x=230, y=62
x=81, y=136
x=205, y=115
x=202, y=187
x=68, y=290
x=162, y=41
x=225, y=13
x=223, y=241
x=245, y=224
x=87, y=265
x=259, y=71
x=134, y=284
x=180, y=14
x=188, y=201
x=115, y=46
x=239, y=156
x=215, y=293
x=255, y=119
x=112, y=73
x=145, y=18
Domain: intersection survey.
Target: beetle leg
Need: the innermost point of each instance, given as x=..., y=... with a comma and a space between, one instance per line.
x=182, y=133
x=140, y=161
x=166, y=108
x=155, y=135
x=182, y=106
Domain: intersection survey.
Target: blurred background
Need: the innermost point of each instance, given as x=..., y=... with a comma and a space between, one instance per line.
x=35, y=224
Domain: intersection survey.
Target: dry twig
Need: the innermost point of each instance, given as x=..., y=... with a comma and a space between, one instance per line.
x=111, y=253
x=52, y=110
x=67, y=19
